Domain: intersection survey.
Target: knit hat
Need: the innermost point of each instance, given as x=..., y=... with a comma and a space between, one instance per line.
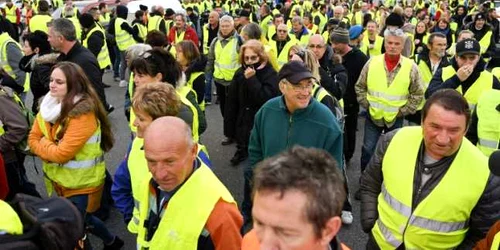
x=355, y=31
x=394, y=20
x=339, y=35
x=86, y=20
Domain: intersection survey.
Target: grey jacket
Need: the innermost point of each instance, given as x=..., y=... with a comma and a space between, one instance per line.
x=211, y=54
x=483, y=216
x=14, y=55
x=14, y=124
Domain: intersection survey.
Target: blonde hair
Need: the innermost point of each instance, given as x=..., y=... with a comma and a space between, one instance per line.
x=157, y=100
x=257, y=47
x=309, y=60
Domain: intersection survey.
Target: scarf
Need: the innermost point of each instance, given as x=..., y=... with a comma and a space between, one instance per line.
x=50, y=108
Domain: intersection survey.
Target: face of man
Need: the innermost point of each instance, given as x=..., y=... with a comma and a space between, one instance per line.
x=480, y=23
x=226, y=28
x=278, y=21
x=371, y=27
x=282, y=32
x=213, y=18
x=364, y=7
x=142, y=121
x=179, y=22
x=337, y=13
x=393, y=45
x=317, y=46
x=464, y=36
x=297, y=27
x=170, y=162
x=443, y=131
x=280, y=221
x=55, y=39
x=467, y=59
x=460, y=11
x=339, y=48
x=297, y=96
x=408, y=12
x=438, y=47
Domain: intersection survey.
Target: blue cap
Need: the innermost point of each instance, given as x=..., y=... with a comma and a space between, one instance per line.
x=355, y=31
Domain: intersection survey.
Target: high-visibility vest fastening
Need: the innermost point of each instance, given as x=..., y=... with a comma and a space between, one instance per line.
x=440, y=221
x=103, y=56
x=386, y=100
x=484, y=82
x=488, y=125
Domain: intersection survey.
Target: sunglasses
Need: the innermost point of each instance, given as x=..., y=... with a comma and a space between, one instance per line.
x=250, y=58
x=317, y=46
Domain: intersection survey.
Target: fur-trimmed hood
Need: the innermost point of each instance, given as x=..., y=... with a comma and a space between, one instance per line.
x=82, y=106
x=50, y=58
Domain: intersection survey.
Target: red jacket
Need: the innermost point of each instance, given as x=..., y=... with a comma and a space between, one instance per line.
x=190, y=34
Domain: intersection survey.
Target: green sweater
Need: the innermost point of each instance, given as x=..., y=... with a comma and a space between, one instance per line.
x=275, y=130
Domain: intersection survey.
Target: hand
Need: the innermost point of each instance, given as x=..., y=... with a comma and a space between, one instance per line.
x=371, y=46
x=464, y=72
x=249, y=72
x=417, y=41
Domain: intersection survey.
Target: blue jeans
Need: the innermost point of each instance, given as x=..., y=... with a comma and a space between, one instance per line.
x=96, y=226
x=208, y=87
x=370, y=139
x=116, y=64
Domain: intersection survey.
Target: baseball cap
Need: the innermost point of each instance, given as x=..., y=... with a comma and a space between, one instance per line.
x=244, y=13
x=355, y=31
x=468, y=46
x=480, y=16
x=294, y=72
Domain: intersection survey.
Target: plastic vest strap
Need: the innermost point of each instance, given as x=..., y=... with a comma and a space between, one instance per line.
x=39, y=22
x=85, y=170
x=123, y=38
x=385, y=100
x=440, y=221
x=484, y=82
x=187, y=211
x=10, y=223
x=488, y=125
x=103, y=56
x=226, y=60
x=485, y=41
x=5, y=39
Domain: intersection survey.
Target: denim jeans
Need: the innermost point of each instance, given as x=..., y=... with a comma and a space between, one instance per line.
x=95, y=225
x=370, y=139
x=208, y=87
x=117, y=62
x=246, y=205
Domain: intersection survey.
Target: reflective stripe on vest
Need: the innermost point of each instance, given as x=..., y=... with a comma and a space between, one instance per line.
x=123, y=38
x=483, y=82
x=488, y=124
x=185, y=217
x=226, y=59
x=5, y=39
x=386, y=100
x=377, y=46
x=485, y=42
x=103, y=56
x=85, y=170
x=282, y=57
x=104, y=19
x=440, y=220
x=10, y=13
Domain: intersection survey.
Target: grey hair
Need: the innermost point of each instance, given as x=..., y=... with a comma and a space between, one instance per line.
x=136, y=50
x=395, y=32
x=227, y=18
x=298, y=19
x=184, y=17
x=338, y=7
x=252, y=30
x=63, y=27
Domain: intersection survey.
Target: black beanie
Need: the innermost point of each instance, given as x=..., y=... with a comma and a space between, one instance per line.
x=394, y=20
x=169, y=12
x=86, y=20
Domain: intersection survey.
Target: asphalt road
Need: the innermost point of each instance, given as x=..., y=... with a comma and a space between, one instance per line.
x=232, y=177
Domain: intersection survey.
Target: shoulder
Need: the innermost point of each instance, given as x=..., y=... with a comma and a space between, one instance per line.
x=83, y=107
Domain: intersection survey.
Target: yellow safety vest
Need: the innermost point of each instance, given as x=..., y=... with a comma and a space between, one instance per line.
x=10, y=223
x=440, y=221
x=123, y=38
x=226, y=60
x=270, y=32
x=482, y=84
x=103, y=56
x=138, y=169
x=326, y=36
x=314, y=29
x=206, y=44
x=377, y=46
x=426, y=74
x=496, y=242
x=143, y=30
x=39, y=22
x=318, y=92
x=85, y=170
x=488, y=125
x=485, y=41
x=78, y=27
x=304, y=39
x=322, y=21
x=283, y=55
x=154, y=23
x=10, y=13
x=5, y=39
x=187, y=211
x=104, y=19
x=177, y=39
x=193, y=77
x=385, y=100
x=16, y=99
x=496, y=72
x=265, y=23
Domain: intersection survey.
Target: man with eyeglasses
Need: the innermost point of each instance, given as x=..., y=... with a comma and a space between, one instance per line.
x=280, y=43
x=389, y=88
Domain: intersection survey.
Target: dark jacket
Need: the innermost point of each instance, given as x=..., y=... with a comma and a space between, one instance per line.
x=39, y=69
x=333, y=76
x=88, y=62
x=479, y=34
x=244, y=99
x=122, y=12
x=14, y=124
x=198, y=65
x=453, y=83
x=95, y=41
x=353, y=63
x=484, y=214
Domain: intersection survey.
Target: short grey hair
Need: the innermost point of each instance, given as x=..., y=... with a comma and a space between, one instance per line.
x=226, y=19
x=136, y=50
x=395, y=32
x=298, y=19
x=252, y=30
x=63, y=27
x=184, y=17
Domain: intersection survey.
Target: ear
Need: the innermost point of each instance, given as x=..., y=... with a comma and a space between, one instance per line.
x=332, y=227
x=428, y=46
x=194, y=150
x=159, y=77
x=282, y=87
x=37, y=50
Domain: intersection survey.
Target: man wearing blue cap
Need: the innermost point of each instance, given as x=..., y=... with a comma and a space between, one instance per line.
x=356, y=38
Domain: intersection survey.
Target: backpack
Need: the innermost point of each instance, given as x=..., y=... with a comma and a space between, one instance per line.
x=22, y=146
x=53, y=223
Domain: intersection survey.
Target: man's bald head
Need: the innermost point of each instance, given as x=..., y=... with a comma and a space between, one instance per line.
x=213, y=18
x=317, y=45
x=171, y=127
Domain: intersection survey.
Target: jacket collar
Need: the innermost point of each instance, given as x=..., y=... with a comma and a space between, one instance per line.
x=299, y=113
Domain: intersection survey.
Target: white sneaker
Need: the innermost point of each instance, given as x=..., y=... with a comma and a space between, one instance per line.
x=123, y=84
x=347, y=217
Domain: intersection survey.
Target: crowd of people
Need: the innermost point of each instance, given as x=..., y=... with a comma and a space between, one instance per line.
x=292, y=79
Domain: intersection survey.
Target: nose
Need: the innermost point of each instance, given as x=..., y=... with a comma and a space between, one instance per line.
x=443, y=138
x=267, y=241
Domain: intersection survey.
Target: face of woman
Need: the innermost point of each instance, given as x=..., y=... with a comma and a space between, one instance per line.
x=181, y=59
x=427, y=19
x=143, y=79
x=58, y=85
x=420, y=28
x=27, y=48
x=250, y=57
x=442, y=25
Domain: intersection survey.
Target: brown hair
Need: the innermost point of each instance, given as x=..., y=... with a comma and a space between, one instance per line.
x=189, y=49
x=257, y=47
x=311, y=171
x=157, y=100
x=78, y=85
x=449, y=99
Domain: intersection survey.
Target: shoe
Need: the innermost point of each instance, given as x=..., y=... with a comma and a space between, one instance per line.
x=106, y=85
x=207, y=103
x=227, y=141
x=110, y=109
x=116, y=78
x=123, y=84
x=238, y=157
x=115, y=245
x=347, y=217
x=357, y=195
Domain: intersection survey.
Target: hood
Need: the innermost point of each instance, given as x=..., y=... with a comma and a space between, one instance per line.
x=122, y=11
x=327, y=56
x=84, y=106
x=47, y=59
x=196, y=66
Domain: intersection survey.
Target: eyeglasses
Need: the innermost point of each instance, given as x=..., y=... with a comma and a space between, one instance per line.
x=299, y=88
x=282, y=31
x=317, y=46
x=250, y=58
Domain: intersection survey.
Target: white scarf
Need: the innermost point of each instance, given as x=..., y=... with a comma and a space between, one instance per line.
x=50, y=108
